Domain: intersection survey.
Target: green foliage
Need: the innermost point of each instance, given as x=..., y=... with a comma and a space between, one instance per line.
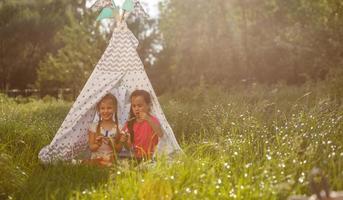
x=335, y=82
x=27, y=32
x=266, y=41
x=52, y=44
x=71, y=66
x=12, y=177
x=243, y=143
x=56, y=44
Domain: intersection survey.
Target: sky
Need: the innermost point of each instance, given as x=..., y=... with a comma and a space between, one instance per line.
x=151, y=6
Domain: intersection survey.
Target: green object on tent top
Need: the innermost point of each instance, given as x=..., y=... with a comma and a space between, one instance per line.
x=128, y=5
x=107, y=12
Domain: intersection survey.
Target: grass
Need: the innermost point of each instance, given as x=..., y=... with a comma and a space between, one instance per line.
x=246, y=143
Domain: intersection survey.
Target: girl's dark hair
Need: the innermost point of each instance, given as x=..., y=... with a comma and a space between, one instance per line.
x=147, y=99
x=115, y=105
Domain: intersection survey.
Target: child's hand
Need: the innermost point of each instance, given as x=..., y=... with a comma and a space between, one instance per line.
x=98, y=140
x=123, y=137
x=143, y=116
x=105, y=140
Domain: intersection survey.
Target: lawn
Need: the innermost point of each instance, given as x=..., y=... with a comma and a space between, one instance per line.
x=245, y=143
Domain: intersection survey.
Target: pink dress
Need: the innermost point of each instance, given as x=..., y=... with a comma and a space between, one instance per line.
x=144, y=140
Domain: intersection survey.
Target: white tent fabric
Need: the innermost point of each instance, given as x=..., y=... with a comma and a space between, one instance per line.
x=119, y=72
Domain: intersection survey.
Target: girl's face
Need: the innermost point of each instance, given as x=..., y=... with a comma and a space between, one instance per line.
x=139, y=105
x=106, y=109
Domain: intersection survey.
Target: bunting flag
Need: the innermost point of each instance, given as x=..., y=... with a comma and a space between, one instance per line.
x=128, y=6
x=107, y=12
x=109, y=9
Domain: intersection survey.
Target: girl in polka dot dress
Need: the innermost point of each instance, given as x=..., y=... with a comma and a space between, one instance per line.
x=103, y=138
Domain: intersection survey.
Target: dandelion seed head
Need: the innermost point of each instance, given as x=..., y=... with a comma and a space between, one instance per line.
x=301, y=179
x=248, y=165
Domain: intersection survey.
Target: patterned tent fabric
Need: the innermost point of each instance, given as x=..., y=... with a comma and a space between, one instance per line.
x=119, y=72
x=139, y=10
x=99, y=4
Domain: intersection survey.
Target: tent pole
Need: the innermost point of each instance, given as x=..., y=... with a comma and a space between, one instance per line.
x=122, y=16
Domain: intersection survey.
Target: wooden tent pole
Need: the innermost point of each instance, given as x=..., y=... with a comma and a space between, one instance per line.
x=122, y=16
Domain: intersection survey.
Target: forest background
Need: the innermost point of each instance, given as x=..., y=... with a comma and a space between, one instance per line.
x=56, y=44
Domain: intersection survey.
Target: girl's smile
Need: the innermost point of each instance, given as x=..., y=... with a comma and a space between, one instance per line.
x=106, y=109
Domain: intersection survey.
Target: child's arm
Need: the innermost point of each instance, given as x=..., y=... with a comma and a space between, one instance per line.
x=93, y=141
x=155, y=126
x=121, y=141
x=125, y=140
x=117, y=144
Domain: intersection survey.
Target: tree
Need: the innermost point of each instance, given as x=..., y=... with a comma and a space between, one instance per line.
x=82, y=44
x=27, y=29
x=224, y=42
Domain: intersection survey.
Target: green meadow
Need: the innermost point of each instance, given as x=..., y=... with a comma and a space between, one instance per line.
x=251, y=142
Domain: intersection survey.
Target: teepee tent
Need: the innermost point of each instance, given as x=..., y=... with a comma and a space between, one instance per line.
x=119, y=72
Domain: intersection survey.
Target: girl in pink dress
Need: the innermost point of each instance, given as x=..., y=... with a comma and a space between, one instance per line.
x=142, y=131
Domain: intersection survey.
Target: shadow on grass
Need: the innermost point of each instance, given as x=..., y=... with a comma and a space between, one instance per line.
x=59, y=181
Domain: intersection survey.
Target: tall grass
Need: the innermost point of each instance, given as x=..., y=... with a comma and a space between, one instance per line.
x=244, y=143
